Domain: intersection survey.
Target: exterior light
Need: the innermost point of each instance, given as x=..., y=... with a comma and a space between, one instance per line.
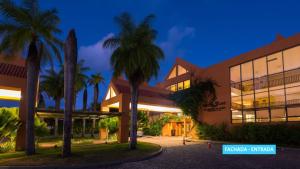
x=10, y=94
x=158, y=108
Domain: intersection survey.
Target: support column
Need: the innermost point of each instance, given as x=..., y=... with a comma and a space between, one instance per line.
x=21, y=133
x=72, y=133
x=56, y=127
x=93, y=127
x=123, y=132
x=83, y=127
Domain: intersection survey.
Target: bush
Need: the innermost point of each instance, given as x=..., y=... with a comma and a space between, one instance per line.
x=281, y=134
x=155, y=127
x=111, y=123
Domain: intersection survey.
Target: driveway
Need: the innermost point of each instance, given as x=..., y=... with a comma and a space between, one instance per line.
x=197, y=155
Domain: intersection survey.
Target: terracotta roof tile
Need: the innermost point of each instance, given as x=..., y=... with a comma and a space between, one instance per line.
x=12, y=70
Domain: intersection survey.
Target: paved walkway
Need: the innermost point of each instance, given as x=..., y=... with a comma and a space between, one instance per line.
x=196, y=155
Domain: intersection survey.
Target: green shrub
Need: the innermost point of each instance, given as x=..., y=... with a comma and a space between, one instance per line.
x=7, y=146
x=155, y=127
x=206, y=131
x=281, y=134
x=111, y=123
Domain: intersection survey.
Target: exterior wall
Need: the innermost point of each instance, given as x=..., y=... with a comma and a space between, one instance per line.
x=221, y=113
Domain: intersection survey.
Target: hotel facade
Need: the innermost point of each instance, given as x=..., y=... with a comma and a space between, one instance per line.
x=259, y=86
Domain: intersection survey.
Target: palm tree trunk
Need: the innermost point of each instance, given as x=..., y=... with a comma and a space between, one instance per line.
x=96, y=94
x=133, y=124
x=33, y=68
x=57, y=104
x=84, y=101
x=69, y=81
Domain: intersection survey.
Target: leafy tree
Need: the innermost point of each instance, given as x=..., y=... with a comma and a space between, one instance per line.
x=52, y=83
x=95, y=80
x=28, y=28
x=143, y=119
x=192, y=100
x=136, y=56
x=110, y=123
x=40, y=128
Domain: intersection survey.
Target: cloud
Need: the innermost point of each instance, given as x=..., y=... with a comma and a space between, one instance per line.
x=95, y=56
x=175, y=36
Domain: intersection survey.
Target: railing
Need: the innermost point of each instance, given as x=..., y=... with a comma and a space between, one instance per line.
x=265, y=104
x=291, y=76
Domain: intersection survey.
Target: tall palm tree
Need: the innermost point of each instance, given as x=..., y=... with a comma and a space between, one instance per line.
x=70, y=50
x=94, y=80
x=80, y=78
x=28, y=28
x=136, y=56
x=52, y=83
x=84, y=97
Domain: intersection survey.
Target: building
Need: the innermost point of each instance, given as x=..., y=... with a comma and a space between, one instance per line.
x=259, y=86
x=13, y=88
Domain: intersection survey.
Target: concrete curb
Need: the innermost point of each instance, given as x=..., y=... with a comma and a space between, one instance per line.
x=94, y=165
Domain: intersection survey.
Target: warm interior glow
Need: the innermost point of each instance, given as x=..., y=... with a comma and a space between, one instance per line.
x=114, y=105
x=158, y=108
x=10, y=94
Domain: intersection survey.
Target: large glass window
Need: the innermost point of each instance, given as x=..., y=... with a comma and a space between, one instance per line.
x=262, y=115
x=278, y=114
x=291, y=58
x=237, y=116
x=249, y=116
x=260, y=75
x=267, y=89
x=293, y=95
x=293, y=113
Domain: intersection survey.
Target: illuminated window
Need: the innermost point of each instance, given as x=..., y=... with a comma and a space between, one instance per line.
x=181, y=70
x=249, y=116
x=187, y=84
x=173, y=73
x=111, y=93
x=262, y=115
x=180, y=86
x=267, y=89
x=237, y=116
x=174, y=87
x=294, y=114
x=278, y=114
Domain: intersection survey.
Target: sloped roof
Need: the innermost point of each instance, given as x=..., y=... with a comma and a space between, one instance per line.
x=15, y=68
x=122, y=86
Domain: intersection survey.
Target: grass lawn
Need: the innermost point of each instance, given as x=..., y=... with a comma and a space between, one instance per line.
x=83, y=153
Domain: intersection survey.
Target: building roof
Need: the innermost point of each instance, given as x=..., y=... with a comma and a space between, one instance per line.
x=15, y=67
x=122, y=86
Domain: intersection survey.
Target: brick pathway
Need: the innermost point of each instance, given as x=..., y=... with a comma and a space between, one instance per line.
x=196, y=155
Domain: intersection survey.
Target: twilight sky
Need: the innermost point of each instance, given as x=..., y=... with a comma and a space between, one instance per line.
x=203, y=32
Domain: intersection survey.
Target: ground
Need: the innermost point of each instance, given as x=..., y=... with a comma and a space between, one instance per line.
x=84, y=152
x=197, y=155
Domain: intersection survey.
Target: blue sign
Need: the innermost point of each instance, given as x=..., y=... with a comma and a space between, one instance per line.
x=248, y=149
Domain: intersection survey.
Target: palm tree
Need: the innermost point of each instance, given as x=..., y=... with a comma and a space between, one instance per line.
x=136, y=56
x=84, y=98
x=52, y=84
x=70, y=51
x=94, y=80
x=30, y=29
x=80, y=78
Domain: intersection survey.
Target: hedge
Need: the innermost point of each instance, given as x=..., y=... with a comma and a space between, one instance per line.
x=280, y=134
